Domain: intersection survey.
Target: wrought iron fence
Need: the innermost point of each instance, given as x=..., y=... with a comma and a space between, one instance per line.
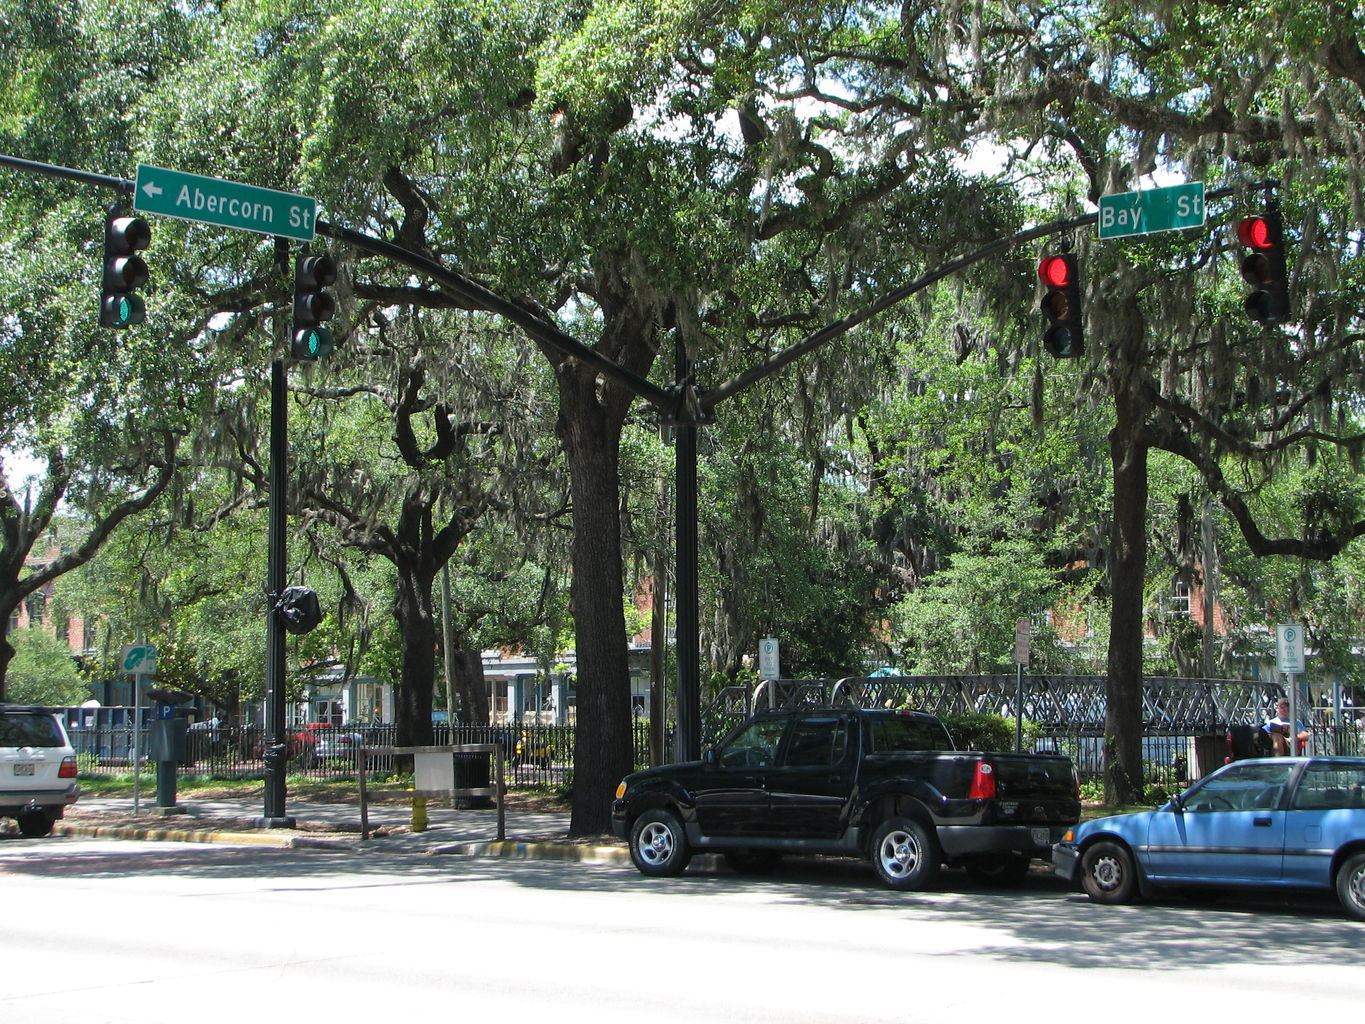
x=535, y=755
x=1185, y=727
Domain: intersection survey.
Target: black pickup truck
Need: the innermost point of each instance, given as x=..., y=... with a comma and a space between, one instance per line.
x=882, y=785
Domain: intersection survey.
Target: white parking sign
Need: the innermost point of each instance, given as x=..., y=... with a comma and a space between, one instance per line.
x=1289, y=648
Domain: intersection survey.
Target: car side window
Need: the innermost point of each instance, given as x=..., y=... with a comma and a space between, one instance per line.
x=816, y=742
x=754, y=747
x=1327, y=787
x=1243, y=787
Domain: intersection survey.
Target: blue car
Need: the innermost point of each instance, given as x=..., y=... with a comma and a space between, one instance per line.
x=1283, y=822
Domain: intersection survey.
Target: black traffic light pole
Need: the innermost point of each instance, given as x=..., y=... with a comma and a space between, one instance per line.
x=276, y=749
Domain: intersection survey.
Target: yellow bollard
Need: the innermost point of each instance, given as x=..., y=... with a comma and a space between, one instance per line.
x=419, y=814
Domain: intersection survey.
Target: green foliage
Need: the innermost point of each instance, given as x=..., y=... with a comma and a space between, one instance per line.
x=43, y=671
x=986, y=732
x=954, y=623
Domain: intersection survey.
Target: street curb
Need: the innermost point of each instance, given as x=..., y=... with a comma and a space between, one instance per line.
x=177, y=835
x=509, y=849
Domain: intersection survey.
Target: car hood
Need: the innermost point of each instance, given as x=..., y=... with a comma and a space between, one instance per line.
x=1134, y=823
x=663, y=771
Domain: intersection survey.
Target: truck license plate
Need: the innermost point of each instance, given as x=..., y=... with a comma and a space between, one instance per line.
x=23, y=769
x=1042, y=836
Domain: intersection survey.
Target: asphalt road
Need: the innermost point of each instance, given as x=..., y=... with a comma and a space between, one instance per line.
x=114, y=931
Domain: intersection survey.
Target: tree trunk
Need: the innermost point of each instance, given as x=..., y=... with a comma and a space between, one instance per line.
x=1128, y=447
x=470, y=686
x=413, y=608
x=603, y=748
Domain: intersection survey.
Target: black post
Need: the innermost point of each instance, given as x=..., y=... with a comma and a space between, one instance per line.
x=687, y=743
x=275, y=753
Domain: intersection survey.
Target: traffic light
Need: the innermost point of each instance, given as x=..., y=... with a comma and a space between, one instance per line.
x=313, y=306
x=299, y=610
x=1263, y=267
x=1063, y=335
x=124, y=271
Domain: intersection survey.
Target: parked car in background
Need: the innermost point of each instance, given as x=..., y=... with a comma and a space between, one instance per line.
x=37, y=768
x=333, y=742
x=1268, y=823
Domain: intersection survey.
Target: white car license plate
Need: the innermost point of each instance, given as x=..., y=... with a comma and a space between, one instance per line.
x=1042, y=836
x=23, y=769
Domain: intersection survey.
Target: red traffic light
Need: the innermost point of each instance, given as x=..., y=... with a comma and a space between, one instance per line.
x=1255, y=233
x=1055, y=271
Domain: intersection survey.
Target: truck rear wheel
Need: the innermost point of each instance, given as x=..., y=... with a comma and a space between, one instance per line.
x=904, y=854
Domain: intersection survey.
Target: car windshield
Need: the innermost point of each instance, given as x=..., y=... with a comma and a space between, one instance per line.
x=29, y=731
x=1242, y=787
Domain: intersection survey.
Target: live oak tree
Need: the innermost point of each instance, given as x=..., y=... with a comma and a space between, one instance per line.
x=729, y=177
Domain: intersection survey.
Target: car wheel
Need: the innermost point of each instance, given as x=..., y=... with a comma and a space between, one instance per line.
x=1351, y=886
x=658, y=846
x=998, y=868
x=904, y=854
x=35, y=824
x=1108, y=873
x=753, y=862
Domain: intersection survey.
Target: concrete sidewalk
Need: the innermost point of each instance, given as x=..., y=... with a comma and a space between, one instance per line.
x=529, y=835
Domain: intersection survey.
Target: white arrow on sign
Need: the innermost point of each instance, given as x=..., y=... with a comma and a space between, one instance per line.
x=152, y=189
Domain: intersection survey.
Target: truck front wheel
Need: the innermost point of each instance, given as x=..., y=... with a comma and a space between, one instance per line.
x=904, y=854
x=658, y=845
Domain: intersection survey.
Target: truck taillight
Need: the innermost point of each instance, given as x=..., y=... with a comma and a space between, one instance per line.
x=68, y=768
x=983, y=782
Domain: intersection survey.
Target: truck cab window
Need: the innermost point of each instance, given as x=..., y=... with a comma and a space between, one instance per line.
x=816, y=742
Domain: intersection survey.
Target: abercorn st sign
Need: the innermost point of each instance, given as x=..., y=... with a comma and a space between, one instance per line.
x=227, y=204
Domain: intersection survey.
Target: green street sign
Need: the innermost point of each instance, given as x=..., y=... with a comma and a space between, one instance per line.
x=1152, y=210
x=139, y=659
x=227, y=204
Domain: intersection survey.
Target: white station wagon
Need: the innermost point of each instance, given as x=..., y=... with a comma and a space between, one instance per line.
x=37, y=768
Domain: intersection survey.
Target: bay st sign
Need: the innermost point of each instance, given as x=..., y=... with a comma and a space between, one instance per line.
x=1152, y=210
x=227, y=204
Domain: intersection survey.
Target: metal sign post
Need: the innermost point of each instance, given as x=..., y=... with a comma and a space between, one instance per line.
x=1023, y=631
x=1289, y=660
x=139, y=660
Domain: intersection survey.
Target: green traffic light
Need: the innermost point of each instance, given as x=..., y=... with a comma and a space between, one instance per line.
x=312, y=343
x=122, y=311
